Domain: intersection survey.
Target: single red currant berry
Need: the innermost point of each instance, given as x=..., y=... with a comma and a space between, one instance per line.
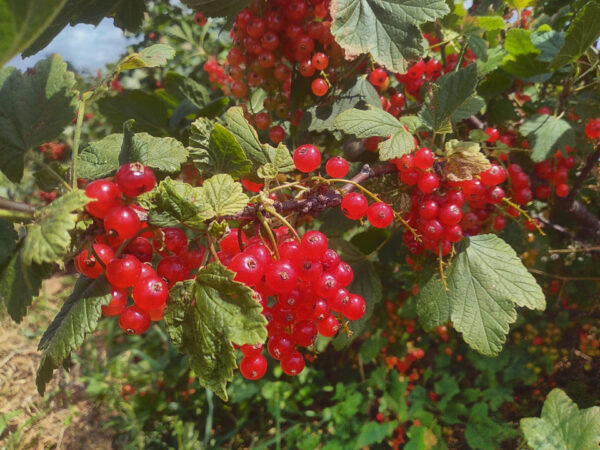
x=326, y=286
x=134, y=179
x=106, y=194
x=117, y=304
x=542, y=192
x=320, y=61
x=354, y=205
x=289, y=250
x=337, y=167
x=193, y=257
x=423, y=158
x=371, y=143
x=378, y=77
x=344, y=273
x=146, y=270
x=307, y=158
x=250, y=350
x=134, y=320
x=253, y=367
x=433, y=68
x=123, y=271
x=499, y=223
x=329, y=326
x=281, y=276
x=200, y=19
x=88, y=265
x=313, y=245
x=453, y=233
x=172, y=269
x=304, y=333
x=493, y=134
x=562, y=190
x=319, y=87
x=493, y=176
x=427, y=183
x=433, y=229
x=406, y=163
x=293, y=364
x=309, y=270
x=276, y=134
x=280, y=346
x=174, y=241
x=306, y=69
x=330, y=259
x=150, y=293
x=450, y=214
x=262, y=121
x=122, y=222
x=494, y=195
x=355, y=307
x=380, y=215
x=398, y=100
x=141, y=248
x=320, y=310
x=247, y=268
x=339, y=300
x=239, y=89
x=231, y=242
x=428, y=208
x=592, y=128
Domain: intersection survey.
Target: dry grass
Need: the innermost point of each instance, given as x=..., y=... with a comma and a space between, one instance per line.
x=64, y=418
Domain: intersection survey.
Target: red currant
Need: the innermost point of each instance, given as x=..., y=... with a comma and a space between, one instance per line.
x=117, y=304
x=134, y=179
x=293, y=364
x=380, y=215
x=307, y=158
x=106, y=194
x=253, y=367
x=150, y=293
x=355, y=307
x=134, y=320
x=88, y=265
x=123, y=271
x=337, y=167
x=122, y=222
x=354, y=205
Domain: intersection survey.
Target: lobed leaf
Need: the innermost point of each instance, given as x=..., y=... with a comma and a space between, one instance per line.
x=547, y=134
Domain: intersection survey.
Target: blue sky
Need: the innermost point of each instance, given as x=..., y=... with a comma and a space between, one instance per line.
x=85, y=46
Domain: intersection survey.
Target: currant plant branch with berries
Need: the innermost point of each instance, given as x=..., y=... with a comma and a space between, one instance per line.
x=253, y=194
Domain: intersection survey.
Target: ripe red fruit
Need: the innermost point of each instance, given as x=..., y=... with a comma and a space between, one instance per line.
x=427, y=183
x=200, y=19
x=134, y=320
x=313, y=245
x=450, y=214
x=123, y=271
x=122, y=222
x=329, y=326
x=398, y=100
x=309, y=270
x=344, y=273
x=354, y=205
x=330, y=259
x=307, y=158
x=326, y=286
x=371, y=143
x=231, y=243
x=337, y=167
x=423, y=158
x=134, y=179
x=172, y=269
x=276, y=134
x=280, y=346
x=174, y=241
x=88, y=265
x=592, y=128
x=253, y=367
x=247, y=268
x=380, y=215
x=106, y=194
x=378, y=77
x=141, y=248
x=281, y=276
x=150, y=293
x=562, y=190
x=319, y=87
x=117, y=304
x=251, y=185
x=493, y=134
x=493, y=176
x=293, y=364
x=249, y=350
x=304, y=333
x=320, y=61
x=355, y=307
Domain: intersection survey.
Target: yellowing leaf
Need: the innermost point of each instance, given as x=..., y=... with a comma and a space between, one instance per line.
x=464, y=160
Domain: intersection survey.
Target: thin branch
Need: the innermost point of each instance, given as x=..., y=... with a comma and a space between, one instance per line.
x=578, y=183
x=16, y=206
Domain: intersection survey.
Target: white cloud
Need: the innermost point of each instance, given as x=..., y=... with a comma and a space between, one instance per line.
x=85, y=46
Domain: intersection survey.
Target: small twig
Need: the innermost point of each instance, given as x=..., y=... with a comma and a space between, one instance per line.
x=578, y=183
x=563, y=277
x=76, y=140
x=267, y=228
x=284, y=221
x=525, y=214
x=10, y=205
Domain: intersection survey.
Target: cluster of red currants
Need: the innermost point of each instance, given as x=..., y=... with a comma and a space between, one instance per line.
x=217, y=75
x=554, y=173
x=130, y=271
x=55, y=151
x=268, y=41
x=302, y=288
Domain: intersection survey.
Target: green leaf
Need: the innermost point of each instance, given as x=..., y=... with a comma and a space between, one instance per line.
x=34, y=108
x=246, y=135
x=182, y=87
x=100, y=158
x=549, y=43
x=8, y=241
x=217, y=8
x=485, y=282
x=126, y=14
x=491, y=23
x=582, y=33
x=165, y=154
x=173, y=202
x=22, y=22
x=156, y=55
x=148, y=110
x=377, y=122
x=279, y=157
x=451, y=99
x=563, y=425
x=204, y=316
x=388, y=29
x=320, y=117
x=78, y=316
x=48, y=238
x=224, y=195
x=495, y=57
x=223, y=154
x=19, y=284
x=373, y=433
x=546, y=134
x=518, y=42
